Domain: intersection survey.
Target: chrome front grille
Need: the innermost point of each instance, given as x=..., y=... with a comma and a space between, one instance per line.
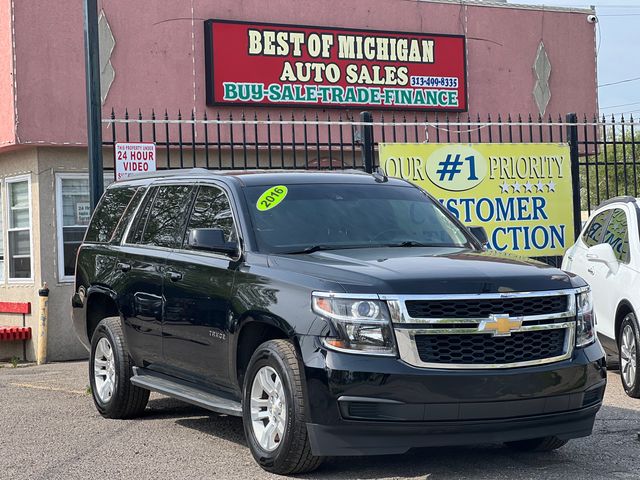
x=484, y=331
x=483, y=307
x=488, y=349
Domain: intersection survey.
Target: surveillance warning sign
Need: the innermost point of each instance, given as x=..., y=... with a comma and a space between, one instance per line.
x=134, y=158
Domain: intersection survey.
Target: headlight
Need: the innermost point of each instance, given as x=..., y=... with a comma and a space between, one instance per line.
x=359, y=325
x=585, y=332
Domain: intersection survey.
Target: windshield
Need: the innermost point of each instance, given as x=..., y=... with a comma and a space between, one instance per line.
x=332, y=216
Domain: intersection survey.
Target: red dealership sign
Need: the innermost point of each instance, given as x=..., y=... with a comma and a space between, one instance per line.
x=267, y=64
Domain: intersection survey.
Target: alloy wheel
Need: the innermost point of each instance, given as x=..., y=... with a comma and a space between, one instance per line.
x=628, y=356
x=104, y=370
x=268, y=408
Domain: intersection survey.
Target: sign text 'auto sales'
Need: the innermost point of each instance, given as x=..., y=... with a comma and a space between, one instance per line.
x=265, y=64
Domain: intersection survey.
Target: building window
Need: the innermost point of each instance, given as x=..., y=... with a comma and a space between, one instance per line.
x=1, y=239
x=73, y=215
x=18, y=194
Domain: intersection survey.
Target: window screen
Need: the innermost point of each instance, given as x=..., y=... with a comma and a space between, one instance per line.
x=1, y=239
x=19, y=229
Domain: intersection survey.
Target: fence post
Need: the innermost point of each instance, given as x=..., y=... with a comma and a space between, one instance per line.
x=366, y=140
x=572, y=138
x=43, y=321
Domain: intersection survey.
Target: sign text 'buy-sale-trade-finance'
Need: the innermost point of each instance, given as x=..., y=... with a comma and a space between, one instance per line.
x=287, y=65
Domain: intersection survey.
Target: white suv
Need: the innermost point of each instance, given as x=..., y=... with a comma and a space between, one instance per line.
x=607, y=256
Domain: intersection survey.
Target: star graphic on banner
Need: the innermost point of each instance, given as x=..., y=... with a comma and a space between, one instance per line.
x=552, y=186
x=528, y=187
x=504, y=187
x=516, y=187
x=540, y=186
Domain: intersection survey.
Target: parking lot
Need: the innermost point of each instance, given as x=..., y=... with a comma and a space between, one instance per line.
x=49, y=429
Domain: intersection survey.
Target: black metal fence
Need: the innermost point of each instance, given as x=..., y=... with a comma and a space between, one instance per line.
x=609, y=159
x=604, y=152
x=312, y=141
x=226, y=142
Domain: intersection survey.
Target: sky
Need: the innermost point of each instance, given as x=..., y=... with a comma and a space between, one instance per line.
x=618, y=40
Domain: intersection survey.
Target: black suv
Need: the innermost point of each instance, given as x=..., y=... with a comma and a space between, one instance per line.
x=337, y=313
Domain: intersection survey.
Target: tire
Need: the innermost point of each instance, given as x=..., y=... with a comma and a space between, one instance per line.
x=628, y=348
x=544, y=444
x=275, y=364
x=113, y=394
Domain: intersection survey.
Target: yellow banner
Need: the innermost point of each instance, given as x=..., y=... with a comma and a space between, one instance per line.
x=520, y=192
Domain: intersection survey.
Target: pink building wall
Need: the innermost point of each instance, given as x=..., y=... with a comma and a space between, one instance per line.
x=7, y=117
x=159, y=54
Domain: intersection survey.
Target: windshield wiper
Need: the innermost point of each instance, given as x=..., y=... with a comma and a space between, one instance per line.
x=409, y=243
x=316, y=248
x=414, y=243
x=311, y=249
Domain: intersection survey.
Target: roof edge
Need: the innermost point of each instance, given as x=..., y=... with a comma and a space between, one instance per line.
x=517, y=6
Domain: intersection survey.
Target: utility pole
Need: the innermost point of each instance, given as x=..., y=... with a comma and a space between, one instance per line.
x=94, y=103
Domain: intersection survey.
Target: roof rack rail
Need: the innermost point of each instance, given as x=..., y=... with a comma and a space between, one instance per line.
x=620, y=199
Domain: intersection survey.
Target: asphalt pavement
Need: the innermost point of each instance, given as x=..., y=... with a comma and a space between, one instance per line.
x=49, y=429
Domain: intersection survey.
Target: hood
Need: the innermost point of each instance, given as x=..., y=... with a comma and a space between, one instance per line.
x=426, y=270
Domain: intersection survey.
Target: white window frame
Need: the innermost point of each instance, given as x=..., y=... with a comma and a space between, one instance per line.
x=60, y=176
x=7, y=182
x=3, y=276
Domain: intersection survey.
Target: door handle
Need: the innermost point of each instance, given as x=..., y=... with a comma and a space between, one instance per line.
x=591, y=271
x=125, y=267
x=174, y=276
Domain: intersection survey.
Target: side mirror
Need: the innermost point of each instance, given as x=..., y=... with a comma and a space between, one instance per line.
x=211, y=239
x=480, y=233
x=603, y=253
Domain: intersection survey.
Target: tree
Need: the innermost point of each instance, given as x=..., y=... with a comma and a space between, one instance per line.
x=612, y=166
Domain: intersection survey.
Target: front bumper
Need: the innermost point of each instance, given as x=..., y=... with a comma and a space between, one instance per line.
x=356, y=438
x=360, y=405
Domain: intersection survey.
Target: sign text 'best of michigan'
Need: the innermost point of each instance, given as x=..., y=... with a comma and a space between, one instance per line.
x=286, y=65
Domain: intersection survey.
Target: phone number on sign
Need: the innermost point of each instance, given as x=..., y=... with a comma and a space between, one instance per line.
x=444, y=82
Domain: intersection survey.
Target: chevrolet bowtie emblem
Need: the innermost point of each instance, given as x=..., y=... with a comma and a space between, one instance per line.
x=499, y=325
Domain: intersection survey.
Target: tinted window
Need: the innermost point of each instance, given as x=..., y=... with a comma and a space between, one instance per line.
x=212, y=210
x=137, y=227
x=351, y=216
x=168, y=216
x=108, y=214
x=593, y=233
x=126, y=217
x=617, y=235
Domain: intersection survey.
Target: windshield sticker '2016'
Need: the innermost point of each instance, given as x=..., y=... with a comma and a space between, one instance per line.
x=271, y=198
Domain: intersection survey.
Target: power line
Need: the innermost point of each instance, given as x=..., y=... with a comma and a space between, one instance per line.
x=620, y=105
x=635, y=79
x=630, y=112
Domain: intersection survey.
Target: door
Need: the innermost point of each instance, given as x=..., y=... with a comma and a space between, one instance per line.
x=608, y=284
x=197, y=293
x=156, y=230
